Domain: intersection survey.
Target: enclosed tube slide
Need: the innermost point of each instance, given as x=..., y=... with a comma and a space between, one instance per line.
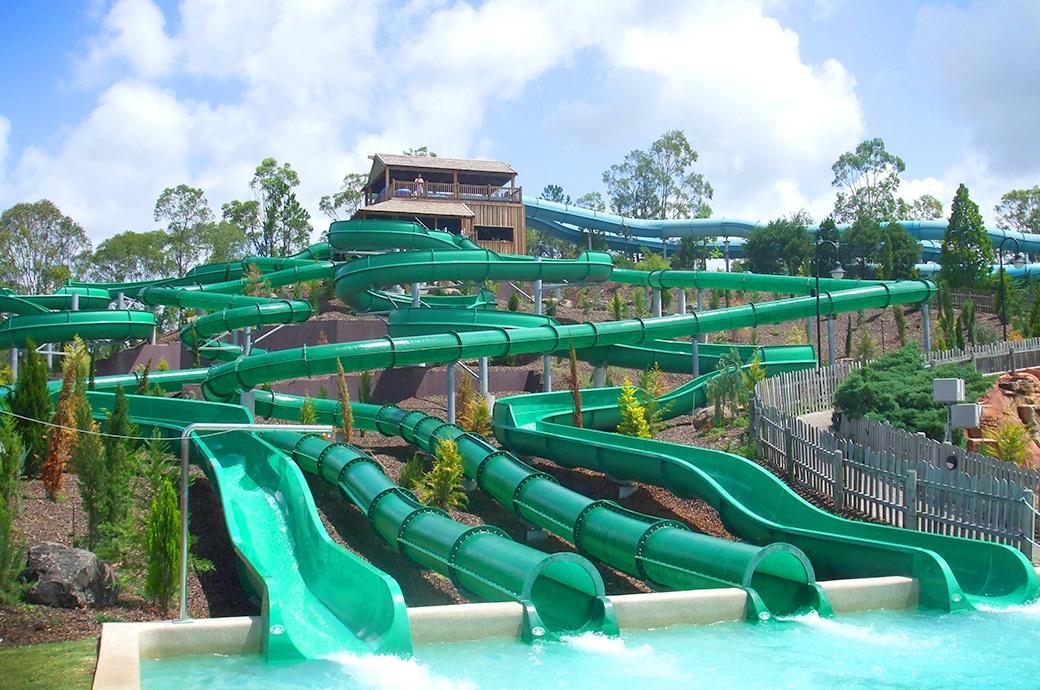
x=355, y=280
x=247, y=372
x=58, y=326
x=544, y=213
x=561, y=593
x=664, y=553
x=778, y=578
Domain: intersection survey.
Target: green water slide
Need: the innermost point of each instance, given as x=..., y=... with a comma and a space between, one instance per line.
x=367, y=234
x=953, y=572
x=36, y=318
x=59, y=326
x=670, y=355
x=561, y=593
x=318, y=599
x=778, y=578
x=355, y=280
x=248, y=372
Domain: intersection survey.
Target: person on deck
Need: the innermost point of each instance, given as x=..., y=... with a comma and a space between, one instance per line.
x=420, y=185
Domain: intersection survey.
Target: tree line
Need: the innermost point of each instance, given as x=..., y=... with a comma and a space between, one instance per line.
x=660, y=183
x=41, y=247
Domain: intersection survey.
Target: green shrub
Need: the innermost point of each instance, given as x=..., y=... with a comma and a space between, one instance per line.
x=728, y=389
x=652, y=381
x=633, y=414
x=900, y=324
x=618, y=307
x=12, y=557
x=1010, y=440
x=639, y=303
x=514, y=301
x=32, y=403
x=364, y=381
x=163, y=537
x=308, y=415
x=413, y=473
x=481, y=416
x=442, y=485
x=865, y=348
x=898, y=389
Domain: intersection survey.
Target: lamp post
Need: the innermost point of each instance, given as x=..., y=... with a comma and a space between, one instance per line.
x=1018, y=262
x=837, y=273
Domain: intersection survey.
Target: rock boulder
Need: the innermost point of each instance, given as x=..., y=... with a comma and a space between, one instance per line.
x=66, y=577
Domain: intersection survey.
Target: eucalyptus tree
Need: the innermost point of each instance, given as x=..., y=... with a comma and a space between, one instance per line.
x=132, y=256
x=274, y=221
x=867, y=180
x=1019, y=210
x=658, y=183
x=40, y=247
x=188, y=218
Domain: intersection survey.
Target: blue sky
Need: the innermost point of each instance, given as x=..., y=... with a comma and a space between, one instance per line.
x=105, y=103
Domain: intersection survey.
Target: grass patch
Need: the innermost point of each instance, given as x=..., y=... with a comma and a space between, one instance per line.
x=59, y=665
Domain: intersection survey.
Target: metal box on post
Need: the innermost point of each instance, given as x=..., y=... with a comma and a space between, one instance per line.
x=965, y=416
x=948, y=390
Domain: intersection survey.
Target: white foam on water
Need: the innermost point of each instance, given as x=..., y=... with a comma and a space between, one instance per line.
x=385, y=672
x=641, y=660
x=1032, y=609
x=857, y=631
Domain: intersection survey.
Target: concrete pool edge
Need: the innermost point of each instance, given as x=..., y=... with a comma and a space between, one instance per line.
x=123, y=645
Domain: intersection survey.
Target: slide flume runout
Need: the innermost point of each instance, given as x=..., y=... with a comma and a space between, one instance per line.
x=318, y=598
x=953, y=572
x=562, y=593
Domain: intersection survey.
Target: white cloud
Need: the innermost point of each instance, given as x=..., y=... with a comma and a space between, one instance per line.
x=766, y=124
x=985, y=54
x=108, y=172
x=132, y=34
x=325, y=84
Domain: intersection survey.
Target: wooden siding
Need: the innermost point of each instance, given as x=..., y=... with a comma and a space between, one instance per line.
x=502, y=215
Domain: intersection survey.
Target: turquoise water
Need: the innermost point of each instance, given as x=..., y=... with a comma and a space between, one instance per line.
x=881, y=650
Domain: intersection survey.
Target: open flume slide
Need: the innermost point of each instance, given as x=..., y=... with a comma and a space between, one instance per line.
x=953, y=572
x=318, y=599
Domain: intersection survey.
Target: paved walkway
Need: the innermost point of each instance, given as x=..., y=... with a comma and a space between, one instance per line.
x=820, y=420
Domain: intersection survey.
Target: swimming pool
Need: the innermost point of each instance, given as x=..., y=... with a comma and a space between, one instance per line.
x=890, y=650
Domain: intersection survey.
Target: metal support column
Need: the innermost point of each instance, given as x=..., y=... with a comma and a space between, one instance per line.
x=830, y=339
x=483, y=373
x=927, y=325
x=450, y=376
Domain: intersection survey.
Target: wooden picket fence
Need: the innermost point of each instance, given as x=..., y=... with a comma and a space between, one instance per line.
x=902, y=479
x=993, y=358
